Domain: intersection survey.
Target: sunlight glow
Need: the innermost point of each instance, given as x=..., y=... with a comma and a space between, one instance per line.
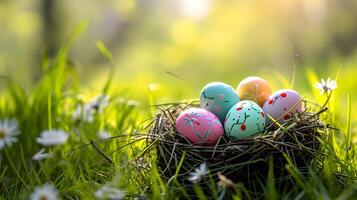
x=195, y=9
x=315, y=10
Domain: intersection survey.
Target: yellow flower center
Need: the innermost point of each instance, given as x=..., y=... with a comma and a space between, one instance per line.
x=43, y=197
x=2, y=134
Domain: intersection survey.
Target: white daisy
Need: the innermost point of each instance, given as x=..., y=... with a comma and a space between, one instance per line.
x=87, y=111
x=109, y=192
x=104, y=134
x=84, y=113
x=327, y=86
x=8, y=132
x=199, y=173
x=77, y=114
x=52, y=137
x=46, y=192
x=41, y=155
x=99, y=102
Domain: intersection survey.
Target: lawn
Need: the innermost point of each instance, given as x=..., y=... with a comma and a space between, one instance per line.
x=95, y=156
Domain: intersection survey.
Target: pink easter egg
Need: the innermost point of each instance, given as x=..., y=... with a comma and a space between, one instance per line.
x=283, y=104
x=199, y=126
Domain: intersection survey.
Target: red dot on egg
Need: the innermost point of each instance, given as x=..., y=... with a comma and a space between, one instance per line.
x=263, y=115
x=283, y=94
x=239, y=108
x=286, y=117
x=270, y=101
x=243, y=127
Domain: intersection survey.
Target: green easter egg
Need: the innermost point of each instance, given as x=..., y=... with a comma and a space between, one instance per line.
x=244, y=119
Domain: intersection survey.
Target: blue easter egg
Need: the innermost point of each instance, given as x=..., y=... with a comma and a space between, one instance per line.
x=218, y=98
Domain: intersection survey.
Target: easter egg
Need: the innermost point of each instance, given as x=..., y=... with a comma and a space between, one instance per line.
x=246, y=118
x=218, y=98
x=199, y=126
x=255, y=89
x=282, y=104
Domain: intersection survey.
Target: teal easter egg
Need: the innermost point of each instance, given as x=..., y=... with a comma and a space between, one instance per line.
x=244, y=119
x=218, y=98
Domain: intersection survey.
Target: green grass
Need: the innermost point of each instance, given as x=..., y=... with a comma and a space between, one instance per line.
x=85, y=163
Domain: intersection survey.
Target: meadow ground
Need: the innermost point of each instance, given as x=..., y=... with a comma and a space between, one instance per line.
x=94, y=161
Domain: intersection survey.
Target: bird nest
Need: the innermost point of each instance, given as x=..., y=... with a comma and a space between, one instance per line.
x=298, y=142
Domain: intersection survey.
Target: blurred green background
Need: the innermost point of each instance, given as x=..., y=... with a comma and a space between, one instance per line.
x=177, y=46
x=163, y=51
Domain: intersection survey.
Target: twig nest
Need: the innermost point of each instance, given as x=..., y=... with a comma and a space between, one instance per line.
x=243, y=160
